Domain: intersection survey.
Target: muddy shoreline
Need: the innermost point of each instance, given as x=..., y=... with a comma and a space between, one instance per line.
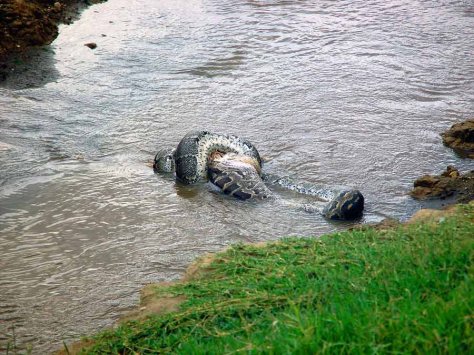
x=26, y=24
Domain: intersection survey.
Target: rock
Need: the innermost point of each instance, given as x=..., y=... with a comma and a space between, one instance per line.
x=91, y=45
x=451, y=172
x=427, y=181
x=449, y=183
x=460, y=137
x=429, y=186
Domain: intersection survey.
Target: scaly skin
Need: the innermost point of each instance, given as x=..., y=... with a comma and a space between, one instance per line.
x=344, y=203
x=195, y=148
x=234, y=165
x=237, y=176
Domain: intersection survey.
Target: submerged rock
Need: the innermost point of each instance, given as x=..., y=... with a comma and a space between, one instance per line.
x=460, y=137
x=449, y=183
x=91, y=45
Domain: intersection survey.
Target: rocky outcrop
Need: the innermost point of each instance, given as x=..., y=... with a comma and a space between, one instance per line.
x=449, y=183
x=25, y=24
x=460, y=137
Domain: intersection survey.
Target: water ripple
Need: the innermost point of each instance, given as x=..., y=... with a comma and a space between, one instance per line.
x=331, y=92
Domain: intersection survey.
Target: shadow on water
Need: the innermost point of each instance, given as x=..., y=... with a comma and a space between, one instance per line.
x=31, y=69
x=186, y=191
x=217, y=67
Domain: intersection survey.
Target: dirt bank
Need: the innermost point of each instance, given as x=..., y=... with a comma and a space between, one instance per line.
x=28, y=23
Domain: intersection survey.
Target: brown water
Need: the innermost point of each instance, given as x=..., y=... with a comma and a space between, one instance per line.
x=333, y=92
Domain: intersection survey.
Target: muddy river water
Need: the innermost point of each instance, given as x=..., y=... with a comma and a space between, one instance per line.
x=331, y=92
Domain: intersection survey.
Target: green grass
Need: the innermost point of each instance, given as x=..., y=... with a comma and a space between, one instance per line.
x=407, y=290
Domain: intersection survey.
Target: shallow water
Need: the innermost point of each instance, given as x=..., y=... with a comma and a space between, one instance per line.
x=348, y=93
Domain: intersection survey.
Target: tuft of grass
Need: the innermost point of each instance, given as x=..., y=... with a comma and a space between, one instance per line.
x=407, y=290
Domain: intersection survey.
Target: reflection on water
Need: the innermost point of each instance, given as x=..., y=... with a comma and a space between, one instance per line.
x=32, y=69
x=347, y=93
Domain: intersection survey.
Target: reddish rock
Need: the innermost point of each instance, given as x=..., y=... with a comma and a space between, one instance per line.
x=24, y=24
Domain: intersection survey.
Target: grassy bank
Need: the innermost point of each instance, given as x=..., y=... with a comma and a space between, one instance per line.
x=404, y=290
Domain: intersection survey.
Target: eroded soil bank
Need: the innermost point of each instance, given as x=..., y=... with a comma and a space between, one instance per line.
x=24, y=24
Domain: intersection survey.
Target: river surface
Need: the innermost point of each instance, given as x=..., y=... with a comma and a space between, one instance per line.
x=330, y=92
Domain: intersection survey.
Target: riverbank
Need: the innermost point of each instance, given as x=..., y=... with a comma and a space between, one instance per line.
x=404, y=289
x=391, y=287
x=25, y=24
